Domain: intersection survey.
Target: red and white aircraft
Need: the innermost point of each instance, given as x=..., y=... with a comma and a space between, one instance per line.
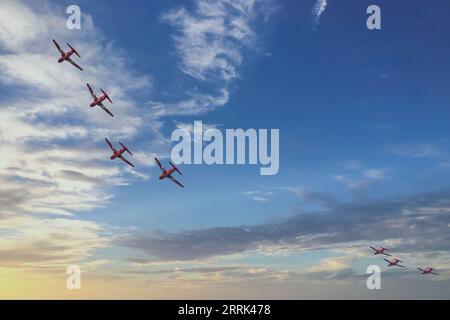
x=168, y=173
x=394, y=262
x=380, y=250
x=65, y=56
x=118, y=153
x=98, y=101
x=428, y=270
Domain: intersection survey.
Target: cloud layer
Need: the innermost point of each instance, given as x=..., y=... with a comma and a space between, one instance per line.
x=419, y=223
x=48, y=132
x=318, y=10
x=54, y=161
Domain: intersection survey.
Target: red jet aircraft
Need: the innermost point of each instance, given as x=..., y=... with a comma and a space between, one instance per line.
x=380, y=250
x=394, y=262
x=428, y=270
x=98, y=101
x=118, y=153
x=65, y=56
x=168, y=173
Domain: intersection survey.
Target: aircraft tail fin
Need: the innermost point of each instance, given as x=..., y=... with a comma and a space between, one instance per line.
x=125, y=147
x=106, y=95
x=176, y=169
x=73, y=49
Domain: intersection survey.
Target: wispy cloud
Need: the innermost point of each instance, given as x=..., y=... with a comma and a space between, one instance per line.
x=436, y=151
x=360, y=178
x=260, y=196
x=375, y=174
x=57, y=163
x=210, y=40
x=54, y=163
x=48, y=133
x=408, y=220
x=39, y=243
x=318, y=10
x=418, y=150
x=332, y=264
x=211, y=37
x=297, y=190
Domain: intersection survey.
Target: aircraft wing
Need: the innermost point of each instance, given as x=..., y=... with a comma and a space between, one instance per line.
x=399, y=265
x=110, y=145
x=387, y=254
x=91, y=91
x=175, y=180
x=58, y=47
x=435, y=273
x=125, y=160
x=159, y=164
x=74, y=64
x=104, y=108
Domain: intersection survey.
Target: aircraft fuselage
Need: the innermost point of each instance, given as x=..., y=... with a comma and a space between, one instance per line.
x=97, y=101
x=117, y=153
x=166, y=174
x=65, y=56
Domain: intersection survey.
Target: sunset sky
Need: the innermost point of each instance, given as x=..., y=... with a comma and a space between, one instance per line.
x=363, y=117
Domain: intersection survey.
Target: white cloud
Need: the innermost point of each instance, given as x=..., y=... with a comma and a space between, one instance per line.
x=260, y=196
x=297, y=190
x=210, y=38
x=318, y=10
x=50, y=140
x=50, y=111
x=193, y=104
x=29, y=242
x=260, y=199
x=332, y=264
x=54, y=161
x=375, y=174
x=360, y=178
x=209, y=42
x=419, y=150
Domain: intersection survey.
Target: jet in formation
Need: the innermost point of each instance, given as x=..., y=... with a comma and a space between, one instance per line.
x=428, y=270
x=167, y=173
x=394, y=263
x=380, y=250
x=66, y=56
x=98, y=101
x=119, y=153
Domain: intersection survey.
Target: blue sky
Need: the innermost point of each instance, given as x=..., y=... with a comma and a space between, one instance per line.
x=338, y=94
x=364, y=136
